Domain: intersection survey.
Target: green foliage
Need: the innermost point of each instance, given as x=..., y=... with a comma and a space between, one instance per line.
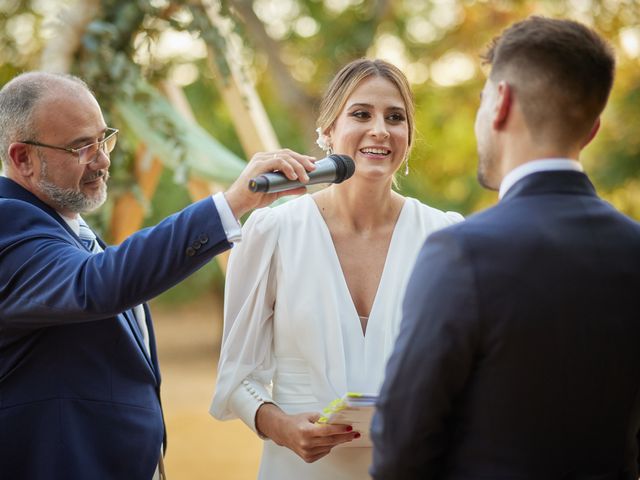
x=208, y=278
x=124, y=87
x=443, y=160
x=312, y=39
x=210, y=111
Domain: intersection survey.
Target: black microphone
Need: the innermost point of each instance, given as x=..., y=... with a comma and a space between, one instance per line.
x=332, y=169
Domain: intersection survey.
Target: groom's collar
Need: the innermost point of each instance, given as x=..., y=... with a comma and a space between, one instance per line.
x=544, y=165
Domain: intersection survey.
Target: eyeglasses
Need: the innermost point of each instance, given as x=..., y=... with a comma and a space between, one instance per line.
x=88, y=153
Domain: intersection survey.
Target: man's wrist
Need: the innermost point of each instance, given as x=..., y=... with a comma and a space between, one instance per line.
x=229, y=220
x=237, y=202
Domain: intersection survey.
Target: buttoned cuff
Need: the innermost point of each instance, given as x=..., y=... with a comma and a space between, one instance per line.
x=245, y=401
x=230, y=223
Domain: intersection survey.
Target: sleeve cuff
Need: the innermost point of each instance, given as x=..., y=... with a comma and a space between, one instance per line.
x=231, y=225
x=245, y=401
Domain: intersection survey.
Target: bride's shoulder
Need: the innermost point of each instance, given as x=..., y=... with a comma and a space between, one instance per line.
x=274, y=217
x=423, y=212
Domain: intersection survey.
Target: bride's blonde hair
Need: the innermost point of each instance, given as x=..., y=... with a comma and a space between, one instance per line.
x=348, y=79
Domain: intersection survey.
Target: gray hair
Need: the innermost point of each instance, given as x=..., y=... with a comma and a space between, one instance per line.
x=18, y=101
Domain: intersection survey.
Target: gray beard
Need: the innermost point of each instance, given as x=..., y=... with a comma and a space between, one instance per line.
x=68, y=198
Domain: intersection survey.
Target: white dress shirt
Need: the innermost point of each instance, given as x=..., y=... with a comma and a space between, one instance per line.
x=543, y=165
x=231, y=225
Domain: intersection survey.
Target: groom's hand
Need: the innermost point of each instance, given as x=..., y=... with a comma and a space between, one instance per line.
x=300, y=433
x=292, y=164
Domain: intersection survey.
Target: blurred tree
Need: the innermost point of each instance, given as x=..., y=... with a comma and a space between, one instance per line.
x=296, y=47
x=291, y=49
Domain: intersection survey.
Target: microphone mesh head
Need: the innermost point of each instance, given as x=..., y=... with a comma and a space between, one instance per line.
x=345, y=166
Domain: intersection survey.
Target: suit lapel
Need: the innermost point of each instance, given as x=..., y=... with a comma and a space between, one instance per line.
x=130, y=323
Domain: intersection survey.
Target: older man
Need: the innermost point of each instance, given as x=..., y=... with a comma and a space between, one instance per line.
x=519, y=355
x=79, y=378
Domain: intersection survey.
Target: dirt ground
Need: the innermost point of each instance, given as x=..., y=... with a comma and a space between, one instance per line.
x=199, y=446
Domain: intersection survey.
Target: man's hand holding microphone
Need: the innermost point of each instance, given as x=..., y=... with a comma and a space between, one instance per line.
x=271, y=175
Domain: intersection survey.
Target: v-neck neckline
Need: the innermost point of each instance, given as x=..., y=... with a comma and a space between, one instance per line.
x=343, y=280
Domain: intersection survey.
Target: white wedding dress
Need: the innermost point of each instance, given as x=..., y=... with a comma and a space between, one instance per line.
x=292, y=335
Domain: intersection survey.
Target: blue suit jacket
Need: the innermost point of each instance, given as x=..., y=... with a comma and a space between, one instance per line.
x=519, y=350
x=79, y=397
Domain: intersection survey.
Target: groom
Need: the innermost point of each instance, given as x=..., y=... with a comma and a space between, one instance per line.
x=519, y=350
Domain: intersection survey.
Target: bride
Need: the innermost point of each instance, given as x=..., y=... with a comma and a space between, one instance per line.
x=314, y=290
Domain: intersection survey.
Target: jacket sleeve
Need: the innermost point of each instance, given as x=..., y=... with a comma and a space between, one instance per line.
x=429, y=366
x=246, y=365
x=47, y=279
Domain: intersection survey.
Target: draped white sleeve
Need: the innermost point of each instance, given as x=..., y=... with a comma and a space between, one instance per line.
x=246, y=364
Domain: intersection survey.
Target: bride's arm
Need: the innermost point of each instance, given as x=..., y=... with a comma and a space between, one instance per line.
x=246, y=363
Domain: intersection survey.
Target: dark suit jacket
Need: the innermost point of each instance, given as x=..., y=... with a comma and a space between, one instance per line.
x=79, y=397
x=519, y=350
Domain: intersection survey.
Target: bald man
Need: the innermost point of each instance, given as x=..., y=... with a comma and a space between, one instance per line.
x=79, y=378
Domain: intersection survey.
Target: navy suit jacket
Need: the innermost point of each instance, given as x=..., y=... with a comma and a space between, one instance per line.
x=519, y=351
x=79, y=396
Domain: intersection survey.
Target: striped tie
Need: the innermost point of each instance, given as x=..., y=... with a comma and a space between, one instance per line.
x=87, y=237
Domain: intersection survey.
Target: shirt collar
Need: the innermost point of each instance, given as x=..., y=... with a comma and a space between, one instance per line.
x=544, y=165
x=74, y=223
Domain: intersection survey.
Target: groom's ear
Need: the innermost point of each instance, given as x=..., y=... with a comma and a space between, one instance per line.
x=592, y=133
x=503, y=105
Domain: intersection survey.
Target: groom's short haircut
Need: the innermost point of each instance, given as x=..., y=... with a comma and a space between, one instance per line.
x=561, y=73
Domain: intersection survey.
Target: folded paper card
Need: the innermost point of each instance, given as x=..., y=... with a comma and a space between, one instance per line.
x=355, y=409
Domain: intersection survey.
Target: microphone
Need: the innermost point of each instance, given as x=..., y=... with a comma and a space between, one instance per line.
x=332, y=169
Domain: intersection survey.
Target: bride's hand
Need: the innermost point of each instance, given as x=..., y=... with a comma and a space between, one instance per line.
x=300, y=433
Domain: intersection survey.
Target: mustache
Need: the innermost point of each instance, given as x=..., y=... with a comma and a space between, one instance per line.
x=96, y=175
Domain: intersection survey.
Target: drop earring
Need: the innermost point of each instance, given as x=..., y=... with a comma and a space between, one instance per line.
x=406, y=167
